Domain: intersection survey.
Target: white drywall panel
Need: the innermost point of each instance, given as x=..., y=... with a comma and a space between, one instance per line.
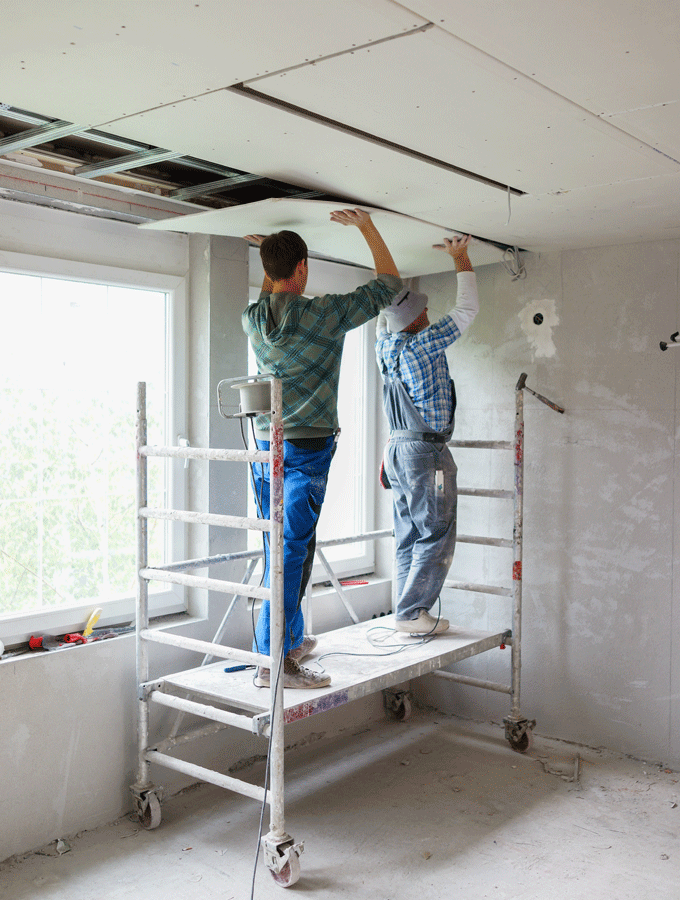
x=607, y=57
x=91, y=63
x=267, y=141
x=598, y=216
x=409, y=240
x=658, y=126
x=430, y=93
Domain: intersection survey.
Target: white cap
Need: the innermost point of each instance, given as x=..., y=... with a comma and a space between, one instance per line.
x=404, y=309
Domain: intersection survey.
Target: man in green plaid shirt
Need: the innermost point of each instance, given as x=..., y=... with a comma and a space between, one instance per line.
x=299, y=340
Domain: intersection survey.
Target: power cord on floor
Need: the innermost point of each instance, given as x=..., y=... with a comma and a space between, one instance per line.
x=398, y=648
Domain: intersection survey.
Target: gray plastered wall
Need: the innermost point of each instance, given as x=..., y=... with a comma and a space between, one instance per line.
x=599, y=651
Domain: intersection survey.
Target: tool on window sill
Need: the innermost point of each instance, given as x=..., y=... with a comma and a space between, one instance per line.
x=50, y=642
x=91, y=622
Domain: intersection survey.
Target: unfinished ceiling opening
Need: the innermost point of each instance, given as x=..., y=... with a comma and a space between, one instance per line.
x=70, y=149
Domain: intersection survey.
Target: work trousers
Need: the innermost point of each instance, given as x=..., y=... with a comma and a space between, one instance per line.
x=422, y=476
x=305, y=475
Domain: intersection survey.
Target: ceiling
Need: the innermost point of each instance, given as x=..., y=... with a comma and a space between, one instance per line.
x=531, y=124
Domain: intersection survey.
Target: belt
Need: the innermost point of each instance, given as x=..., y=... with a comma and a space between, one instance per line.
x=432, y=437
x=315, y=443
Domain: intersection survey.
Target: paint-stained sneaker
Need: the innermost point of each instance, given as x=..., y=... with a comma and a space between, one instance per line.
x=424, y=624
x=307, y=646
x=294, y=676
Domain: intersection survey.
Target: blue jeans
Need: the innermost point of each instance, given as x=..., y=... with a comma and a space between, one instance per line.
x=305, y=475
x=424, y=496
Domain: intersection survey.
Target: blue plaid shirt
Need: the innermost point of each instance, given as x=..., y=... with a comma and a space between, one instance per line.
x=422, y=366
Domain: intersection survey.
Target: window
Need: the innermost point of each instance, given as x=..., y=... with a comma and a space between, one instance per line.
x=73, y=352
x=348, y=508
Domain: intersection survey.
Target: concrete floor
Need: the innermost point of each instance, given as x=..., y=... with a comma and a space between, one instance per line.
x=435, y=807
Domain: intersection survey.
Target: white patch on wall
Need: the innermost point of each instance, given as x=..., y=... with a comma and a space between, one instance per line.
x=538, y=319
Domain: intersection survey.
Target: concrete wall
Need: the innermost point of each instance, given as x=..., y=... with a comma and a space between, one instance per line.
x=600, y=656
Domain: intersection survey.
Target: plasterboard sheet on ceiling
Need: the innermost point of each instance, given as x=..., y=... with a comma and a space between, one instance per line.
x=92, y=63
x=594, y=217
x=484, y=119
x=659, y=126
x=274, y=143
x=607, y=57
x=409, y=240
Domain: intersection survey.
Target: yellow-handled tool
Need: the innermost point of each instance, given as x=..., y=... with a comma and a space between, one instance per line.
x=91, y=622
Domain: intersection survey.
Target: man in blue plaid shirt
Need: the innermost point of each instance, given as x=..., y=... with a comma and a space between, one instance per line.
x=420, y=402
x=299, y=340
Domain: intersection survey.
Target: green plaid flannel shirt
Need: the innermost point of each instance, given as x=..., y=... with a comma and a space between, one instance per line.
x=300, y=339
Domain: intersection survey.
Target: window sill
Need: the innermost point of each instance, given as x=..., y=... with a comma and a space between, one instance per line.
x=21, y=651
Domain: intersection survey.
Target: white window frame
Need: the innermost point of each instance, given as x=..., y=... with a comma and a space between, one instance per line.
x=16, y=628
x=359, y=558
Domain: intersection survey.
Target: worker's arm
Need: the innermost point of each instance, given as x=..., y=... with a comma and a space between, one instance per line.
x=467, y=299
x=382, y=258
x=267, y=284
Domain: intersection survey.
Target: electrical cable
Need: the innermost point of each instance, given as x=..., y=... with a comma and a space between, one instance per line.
x=267, y=769
x=399, y=648
x=513, y=265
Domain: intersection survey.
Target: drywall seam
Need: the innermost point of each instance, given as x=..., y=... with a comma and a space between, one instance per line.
x=352, y=49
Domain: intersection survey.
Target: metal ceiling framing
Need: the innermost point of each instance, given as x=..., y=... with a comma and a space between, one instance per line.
x=179, y=182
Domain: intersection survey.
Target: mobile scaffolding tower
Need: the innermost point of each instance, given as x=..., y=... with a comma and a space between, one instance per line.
x=230, y=699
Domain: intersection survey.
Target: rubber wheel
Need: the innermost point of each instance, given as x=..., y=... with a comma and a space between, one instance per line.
x=290, y=873
x=521, y=745
x=403, y=712
x=150, y=815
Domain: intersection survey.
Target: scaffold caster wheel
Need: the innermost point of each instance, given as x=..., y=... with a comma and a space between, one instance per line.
x=149, y=811
x=290, y=873
x=523, y=743
x=519, y=734
x=397, y=705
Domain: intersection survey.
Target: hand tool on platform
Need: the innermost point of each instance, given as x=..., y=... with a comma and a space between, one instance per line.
x=522, y=385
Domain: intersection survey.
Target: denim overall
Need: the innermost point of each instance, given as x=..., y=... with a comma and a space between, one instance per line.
x=422, y=475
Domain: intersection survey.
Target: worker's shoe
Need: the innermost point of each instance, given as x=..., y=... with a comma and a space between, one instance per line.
x=294, y=676
x=307, y=646
x=424, y=624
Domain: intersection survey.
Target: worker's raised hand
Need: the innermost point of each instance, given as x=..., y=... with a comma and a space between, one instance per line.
x=358, y=217
x=455, y=245
x=255, y=238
